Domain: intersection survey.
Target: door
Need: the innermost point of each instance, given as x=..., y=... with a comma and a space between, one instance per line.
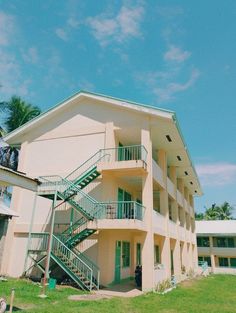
x=138, y=254
x=172, y=261
x=117, y=261
x=124, y=209
x=120, y=205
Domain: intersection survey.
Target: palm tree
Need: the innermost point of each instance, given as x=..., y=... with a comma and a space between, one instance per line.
x=211, y=213
x=222, y=212
x=17, y=112
x=225, y=211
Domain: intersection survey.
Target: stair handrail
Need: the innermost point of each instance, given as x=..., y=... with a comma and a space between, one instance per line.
x=97, y=154
x=72, y=257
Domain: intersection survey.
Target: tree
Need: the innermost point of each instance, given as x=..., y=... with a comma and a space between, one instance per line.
x=17, y=112
x=199, y=216
x=222, y=212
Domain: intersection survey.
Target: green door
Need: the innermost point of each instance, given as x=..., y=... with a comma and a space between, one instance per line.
x=117, y=262
x=172, y=261
x=138, y=254
x=120, y=205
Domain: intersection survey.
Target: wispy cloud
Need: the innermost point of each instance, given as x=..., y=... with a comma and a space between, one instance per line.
x=217, y=174
x=11, y=78
x=126, y=24
x=168, y=91
x=62, y=34
x=176, y=54
x=7, y=25
x=31, y=55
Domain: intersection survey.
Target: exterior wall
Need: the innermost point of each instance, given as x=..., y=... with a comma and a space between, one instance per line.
x=66, y=142
x=3, y=231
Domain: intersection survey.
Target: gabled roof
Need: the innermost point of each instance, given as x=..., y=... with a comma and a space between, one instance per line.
x=15, y=136
x=84, y=94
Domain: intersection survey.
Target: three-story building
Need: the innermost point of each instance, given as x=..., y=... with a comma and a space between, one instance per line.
x=122, y=181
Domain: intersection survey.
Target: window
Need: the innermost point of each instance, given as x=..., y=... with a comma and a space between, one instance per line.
x=170, y=209
x=205, y=259
x=224, y=262
x=203, y=242
x=138, y=254
x=125, y=254
x=233, y=262
x=224, y=242
x=157, y=255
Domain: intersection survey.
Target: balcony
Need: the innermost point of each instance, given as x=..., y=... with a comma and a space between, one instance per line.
x=224, y=251
x=182, y=232
x=159, y=224
x=173, y=233
x=180, y=198
x=157, y=173
x=204, y=250
x=127, y=158
x=171, y=188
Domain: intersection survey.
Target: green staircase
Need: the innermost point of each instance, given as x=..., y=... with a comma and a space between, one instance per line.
x=75, y=266
x=69, y=189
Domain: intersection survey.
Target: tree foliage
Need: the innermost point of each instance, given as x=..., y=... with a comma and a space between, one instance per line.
x=216, y=212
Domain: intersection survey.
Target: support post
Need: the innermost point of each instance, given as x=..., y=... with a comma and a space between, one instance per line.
x=30, y=230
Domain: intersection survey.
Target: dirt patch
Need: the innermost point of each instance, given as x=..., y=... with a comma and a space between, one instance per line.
x=88, y=297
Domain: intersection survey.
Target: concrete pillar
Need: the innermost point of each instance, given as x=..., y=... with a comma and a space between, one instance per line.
x=177, y=259
x=213, y=265
x=147, y=199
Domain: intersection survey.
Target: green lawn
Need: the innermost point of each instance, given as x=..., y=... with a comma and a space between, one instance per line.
x=215, y=294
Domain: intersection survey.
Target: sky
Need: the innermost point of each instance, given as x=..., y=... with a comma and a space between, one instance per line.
x=177, y=55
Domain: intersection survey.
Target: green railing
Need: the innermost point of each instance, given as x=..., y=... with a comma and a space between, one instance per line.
x=76, y=264
x=85, y=167
x=120, y=210
x=38, y=242
x=126, y=153
x=203, y=265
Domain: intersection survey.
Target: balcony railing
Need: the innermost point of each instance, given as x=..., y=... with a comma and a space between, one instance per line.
x=126, y=153
x=120, y=210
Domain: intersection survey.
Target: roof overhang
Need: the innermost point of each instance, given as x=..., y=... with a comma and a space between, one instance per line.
x=9, y=177
x=5, y=211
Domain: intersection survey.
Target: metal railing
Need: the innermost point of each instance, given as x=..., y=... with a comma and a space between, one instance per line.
x=85, y=167
x=120, y=210
x=203, y=265
x=127, y=153
x=77, y=265
x=38, y=242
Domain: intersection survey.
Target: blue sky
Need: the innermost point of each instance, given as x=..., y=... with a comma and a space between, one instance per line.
x=179, y=55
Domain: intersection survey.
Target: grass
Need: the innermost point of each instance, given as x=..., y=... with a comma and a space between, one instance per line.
x=213, y=294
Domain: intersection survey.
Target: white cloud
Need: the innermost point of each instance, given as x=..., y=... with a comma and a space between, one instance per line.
x=176, y=54
x=124, y=25
x=73, y=22
x=11, y=80
x=31, y=55
x=217, y=174
x=61, y=33
x=168, y=91
x=6, y=28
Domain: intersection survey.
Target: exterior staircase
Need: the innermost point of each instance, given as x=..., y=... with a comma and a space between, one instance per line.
x=70, y=190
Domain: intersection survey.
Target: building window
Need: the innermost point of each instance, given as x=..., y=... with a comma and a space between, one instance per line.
x=138, y=254
x=126, y=254
x=223, y=262
x=203, y=242
x=224, y=242
x=205, y=259
x=232, y=262
x=170, y=209
x=157, y=259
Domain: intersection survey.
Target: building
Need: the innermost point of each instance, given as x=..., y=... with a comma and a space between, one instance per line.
x=216, y=241
x=123, y=184
x=8, y=177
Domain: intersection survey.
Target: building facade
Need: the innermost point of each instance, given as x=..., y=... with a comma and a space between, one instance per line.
x=123, y=184
x=216, y=241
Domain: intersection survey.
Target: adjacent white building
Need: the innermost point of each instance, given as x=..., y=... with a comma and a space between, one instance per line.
x=216, y=241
